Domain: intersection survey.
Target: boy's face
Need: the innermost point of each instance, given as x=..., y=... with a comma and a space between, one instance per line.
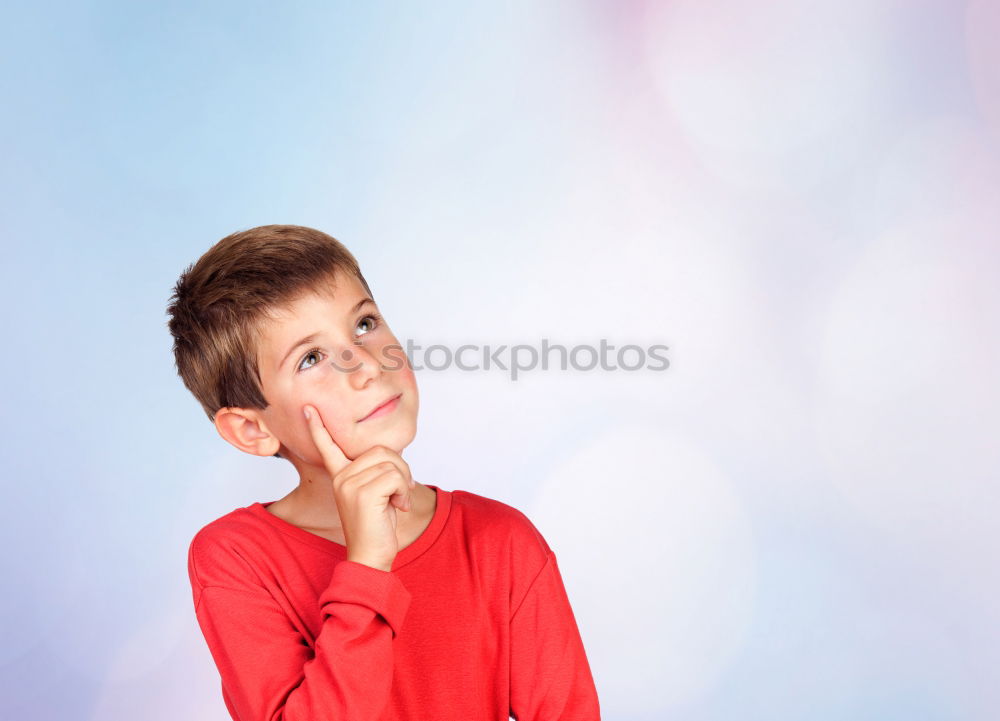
x=350, y=364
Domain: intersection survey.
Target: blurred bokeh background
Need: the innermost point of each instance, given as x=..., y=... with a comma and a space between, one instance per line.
x=796, y=520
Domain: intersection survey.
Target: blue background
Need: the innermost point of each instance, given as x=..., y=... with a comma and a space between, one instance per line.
x=796, y=520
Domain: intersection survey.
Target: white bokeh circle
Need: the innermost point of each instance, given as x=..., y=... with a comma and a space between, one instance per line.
x=656, y=550
x=906, y=412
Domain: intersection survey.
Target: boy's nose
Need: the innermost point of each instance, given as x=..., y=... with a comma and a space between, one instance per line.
x=354, y=359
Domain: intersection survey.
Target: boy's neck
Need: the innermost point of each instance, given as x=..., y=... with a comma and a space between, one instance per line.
x=312, y=506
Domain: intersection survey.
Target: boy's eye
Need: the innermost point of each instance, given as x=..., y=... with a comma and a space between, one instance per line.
x=314, y=351
x=373, y=321
x=374, y=317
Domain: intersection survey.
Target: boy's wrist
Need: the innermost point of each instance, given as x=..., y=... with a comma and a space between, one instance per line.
x=373, y=564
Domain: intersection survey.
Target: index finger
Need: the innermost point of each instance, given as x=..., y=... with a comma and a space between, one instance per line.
x=333, y=457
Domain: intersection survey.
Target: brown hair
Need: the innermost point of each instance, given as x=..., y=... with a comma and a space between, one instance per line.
x=221, y=302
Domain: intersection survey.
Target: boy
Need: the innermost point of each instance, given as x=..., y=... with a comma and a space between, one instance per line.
x=362, y=594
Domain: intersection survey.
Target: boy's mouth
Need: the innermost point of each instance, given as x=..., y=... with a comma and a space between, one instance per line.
x=382, y=408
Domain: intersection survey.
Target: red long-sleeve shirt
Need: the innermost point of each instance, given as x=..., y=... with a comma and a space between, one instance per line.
x=472, y=622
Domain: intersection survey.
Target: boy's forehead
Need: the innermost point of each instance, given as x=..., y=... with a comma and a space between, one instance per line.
x=338, y=291
x=284, y=323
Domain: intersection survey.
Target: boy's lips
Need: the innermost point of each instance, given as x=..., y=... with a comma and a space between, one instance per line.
x=383, y=405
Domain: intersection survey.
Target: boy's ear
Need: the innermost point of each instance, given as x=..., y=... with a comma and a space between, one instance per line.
x=246, y=430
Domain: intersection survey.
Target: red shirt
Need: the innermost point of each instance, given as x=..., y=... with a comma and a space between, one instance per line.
x=472, y=622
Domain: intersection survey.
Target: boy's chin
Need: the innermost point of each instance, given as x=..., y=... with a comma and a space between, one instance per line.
x=395, y=437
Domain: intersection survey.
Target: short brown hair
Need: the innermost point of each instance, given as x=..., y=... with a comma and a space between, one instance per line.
x=221, y=302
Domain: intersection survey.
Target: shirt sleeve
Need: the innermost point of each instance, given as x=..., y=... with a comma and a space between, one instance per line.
x=550, y=676
x=270, y=673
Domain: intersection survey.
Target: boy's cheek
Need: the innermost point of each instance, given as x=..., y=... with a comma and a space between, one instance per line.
x=414, y=393
x=341, y=429
x=394, y=359
x=406, y=376
x=305, y=446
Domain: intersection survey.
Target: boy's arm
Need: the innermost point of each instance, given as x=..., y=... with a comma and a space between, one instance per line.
x=268, y=671
x=550, y=677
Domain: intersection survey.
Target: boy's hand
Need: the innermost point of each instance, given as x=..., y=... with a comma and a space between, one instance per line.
x=368, y=490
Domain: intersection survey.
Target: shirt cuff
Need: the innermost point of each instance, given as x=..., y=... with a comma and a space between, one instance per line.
x=375, y=589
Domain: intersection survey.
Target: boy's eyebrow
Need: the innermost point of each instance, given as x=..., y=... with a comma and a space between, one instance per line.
x=312, y=336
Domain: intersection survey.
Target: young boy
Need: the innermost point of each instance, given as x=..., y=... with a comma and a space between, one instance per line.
x=362, y=594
